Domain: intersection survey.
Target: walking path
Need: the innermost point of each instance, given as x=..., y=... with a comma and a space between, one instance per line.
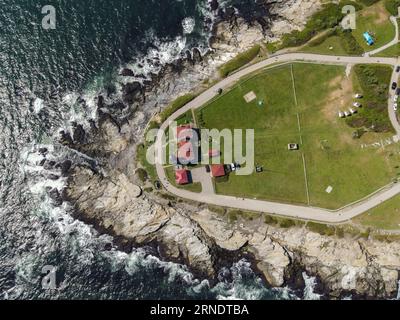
x=289, y=210
x=391, y=43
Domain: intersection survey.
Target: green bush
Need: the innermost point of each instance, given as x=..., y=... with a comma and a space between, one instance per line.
x=270, y=220
x=239, y=61
x=142, y=174
x=286, y=223
x=176, y=105
x=349, y=43
x=392, y=6
x=374, y=81
x=320, y=228
x=328, y=17
x=369, y=2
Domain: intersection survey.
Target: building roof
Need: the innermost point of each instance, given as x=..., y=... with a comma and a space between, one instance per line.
x=182, y=176
x=186, y=152
x=217, y=170
x=213, y=153
x=184, y=132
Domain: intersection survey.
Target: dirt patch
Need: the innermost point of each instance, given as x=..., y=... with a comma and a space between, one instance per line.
x=377, y=12
x=339, y=98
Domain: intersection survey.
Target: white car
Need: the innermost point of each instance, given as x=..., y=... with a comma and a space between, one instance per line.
x=395, y=98
x=233, y=167
x=395, y=107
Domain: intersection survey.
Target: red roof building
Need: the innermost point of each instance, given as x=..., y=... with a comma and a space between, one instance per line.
x=188, y=149
x=184, y=132
x=182, y=176
x=213, y=153
x=217, y=170
x=186, y=153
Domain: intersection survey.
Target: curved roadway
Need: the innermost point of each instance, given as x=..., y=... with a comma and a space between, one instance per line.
x=293, y=211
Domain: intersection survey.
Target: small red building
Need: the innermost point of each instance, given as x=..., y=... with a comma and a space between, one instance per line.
x=182, y=176
x=184, y=132
x=213, y=153
x=217, y=170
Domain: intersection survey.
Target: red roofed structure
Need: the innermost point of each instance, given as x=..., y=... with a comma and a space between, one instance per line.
x=182, y=176
x=184, y=132
x=213, y=153
x=217, y=170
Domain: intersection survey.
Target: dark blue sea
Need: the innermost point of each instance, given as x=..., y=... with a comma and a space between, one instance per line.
x=42, y=72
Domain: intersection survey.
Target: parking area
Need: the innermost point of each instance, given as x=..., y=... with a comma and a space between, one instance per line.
x=200, y=175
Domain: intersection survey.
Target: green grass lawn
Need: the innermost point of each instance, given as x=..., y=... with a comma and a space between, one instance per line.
x=393, y=51
x=332, y=157
x=385, y=216
x=330, y=46
x=374, y=19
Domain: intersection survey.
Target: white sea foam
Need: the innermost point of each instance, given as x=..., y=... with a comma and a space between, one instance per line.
x=188, y=25
x=38, y=105
x=310, y=283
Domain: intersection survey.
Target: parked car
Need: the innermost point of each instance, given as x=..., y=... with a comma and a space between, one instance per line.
x=395, y=98
x=208, y=169
x=395, y=107
x=394, y=85
x=398, y=69
x=233, y=167
x=398, y=91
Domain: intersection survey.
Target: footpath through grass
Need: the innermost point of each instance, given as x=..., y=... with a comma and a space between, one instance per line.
x=354, y=168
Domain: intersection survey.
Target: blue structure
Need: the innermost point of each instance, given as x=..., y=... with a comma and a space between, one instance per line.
x=368, y=38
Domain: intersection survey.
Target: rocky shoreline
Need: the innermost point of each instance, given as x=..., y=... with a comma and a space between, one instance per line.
x=108, y=194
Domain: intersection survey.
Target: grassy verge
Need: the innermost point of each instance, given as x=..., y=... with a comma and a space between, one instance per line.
x=393, y=51
x=392, y=6
x=386, y=216
x=239, y=61
x=374, y=81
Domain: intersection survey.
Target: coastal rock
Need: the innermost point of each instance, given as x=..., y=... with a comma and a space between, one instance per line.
x=131, y=91
x=218, y=229
x=115, y=204
x=127, y=73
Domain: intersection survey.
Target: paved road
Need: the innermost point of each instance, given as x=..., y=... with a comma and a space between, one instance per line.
x=293, y=211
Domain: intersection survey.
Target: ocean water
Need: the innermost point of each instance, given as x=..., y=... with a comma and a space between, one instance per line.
x=42, y=73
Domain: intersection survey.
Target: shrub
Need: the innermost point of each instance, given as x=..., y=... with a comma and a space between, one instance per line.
x=349, y=43
x=328, y=17
x=374, y=82
x=142, y=174
x=239, y=61
x=320, y=228
x=369, y=2
x=176, y=105
x=392, y=6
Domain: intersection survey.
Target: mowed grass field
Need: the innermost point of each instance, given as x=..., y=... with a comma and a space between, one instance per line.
x=374, y=19
x=331, y=156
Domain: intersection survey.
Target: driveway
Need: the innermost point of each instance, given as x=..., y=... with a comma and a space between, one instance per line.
x=200, y=175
